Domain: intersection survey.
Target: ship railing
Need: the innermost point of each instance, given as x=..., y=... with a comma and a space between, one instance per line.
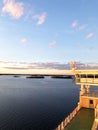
x=96, y=112
x=92, y=93
x=67, y=120
x=95, y=123
x=87, y=80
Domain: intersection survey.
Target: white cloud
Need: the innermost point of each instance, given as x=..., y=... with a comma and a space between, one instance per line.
x=90, y=35
x=14, y=9
x=74, y=24
x=41, y=18
x=24, y=40
x=53, y=43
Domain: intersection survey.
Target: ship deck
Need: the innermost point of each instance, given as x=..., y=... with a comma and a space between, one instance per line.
x=82, y=121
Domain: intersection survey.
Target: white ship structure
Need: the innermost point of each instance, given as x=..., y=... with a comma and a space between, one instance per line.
x=85, y=115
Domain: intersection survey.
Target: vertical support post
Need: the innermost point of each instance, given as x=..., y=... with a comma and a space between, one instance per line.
x=96, y=112
x=82, y=90
x=88, y=88
x=59, y=127
x=62, y=127
x=78, y=106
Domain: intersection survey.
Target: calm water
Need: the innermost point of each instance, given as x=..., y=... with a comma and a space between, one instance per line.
x=35, y=104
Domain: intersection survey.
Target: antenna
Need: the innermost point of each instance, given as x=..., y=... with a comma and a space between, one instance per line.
x=73, y=66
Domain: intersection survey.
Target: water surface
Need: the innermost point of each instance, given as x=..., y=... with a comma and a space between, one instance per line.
x=35, y=104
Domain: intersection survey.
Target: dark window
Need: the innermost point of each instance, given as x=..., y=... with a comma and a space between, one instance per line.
x=91, y=101
x=96, y=76
x=77, y=75
x=90, y=76
x=83, y=76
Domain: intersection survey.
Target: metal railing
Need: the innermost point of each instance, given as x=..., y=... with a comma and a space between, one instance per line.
x=87, y=80
x=67, y=120
x=95, y=123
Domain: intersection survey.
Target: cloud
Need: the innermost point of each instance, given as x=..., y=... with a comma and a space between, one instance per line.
x=16, y=68
x=53, y=43
x=90, y=35
x=14, y=9
x=41, y=18
x=74, y=24
x=24, y=40
x=29, y=66
x=49, y=65
x=82, y=27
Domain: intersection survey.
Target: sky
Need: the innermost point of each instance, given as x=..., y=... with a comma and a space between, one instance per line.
x=49, y=32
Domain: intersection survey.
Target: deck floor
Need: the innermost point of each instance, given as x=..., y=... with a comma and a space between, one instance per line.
x=82, y=121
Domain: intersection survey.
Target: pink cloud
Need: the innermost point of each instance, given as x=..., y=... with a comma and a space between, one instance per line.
x=53, y=43
x=41, y=18
x=90, y=35
x=74, y=24
x=14, y=9
x=24, y=40
x=26, y=66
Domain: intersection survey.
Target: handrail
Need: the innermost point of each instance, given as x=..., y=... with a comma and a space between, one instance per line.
x=95, y=123
x=86, y=80
x=67, y=120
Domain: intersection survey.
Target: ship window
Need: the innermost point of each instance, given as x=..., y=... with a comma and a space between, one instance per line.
x=77, y=75
x=83, y=76
x=96, y=76
x=91, y=101
x=90, y=76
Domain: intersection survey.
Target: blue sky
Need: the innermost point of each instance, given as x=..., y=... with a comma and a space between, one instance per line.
x=49, y=31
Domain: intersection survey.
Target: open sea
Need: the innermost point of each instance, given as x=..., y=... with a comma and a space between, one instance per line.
x=35, y=104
